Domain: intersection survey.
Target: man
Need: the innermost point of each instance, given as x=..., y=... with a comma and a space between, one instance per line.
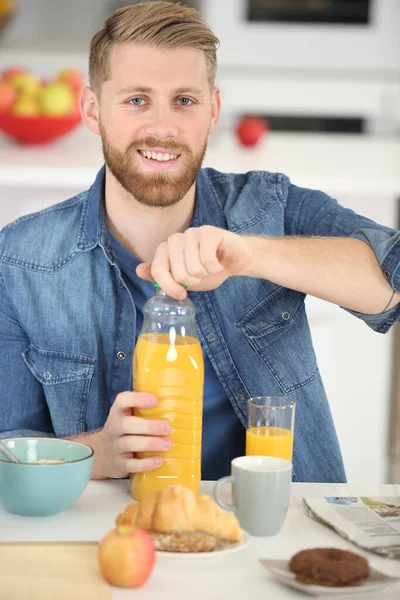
x=249, y=247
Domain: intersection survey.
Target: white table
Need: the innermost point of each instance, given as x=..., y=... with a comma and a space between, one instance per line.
x=238, y=576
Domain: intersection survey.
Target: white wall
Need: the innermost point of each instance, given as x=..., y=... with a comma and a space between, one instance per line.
x=54, y=23
x=356, y=365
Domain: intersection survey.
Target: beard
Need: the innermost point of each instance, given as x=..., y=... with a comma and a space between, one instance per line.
x=157, y=190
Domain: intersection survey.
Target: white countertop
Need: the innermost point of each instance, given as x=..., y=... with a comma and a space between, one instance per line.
x=237, y=576
x=337, y=164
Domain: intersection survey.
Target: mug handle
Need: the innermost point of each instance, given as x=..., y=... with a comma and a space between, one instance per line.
x=217, y=486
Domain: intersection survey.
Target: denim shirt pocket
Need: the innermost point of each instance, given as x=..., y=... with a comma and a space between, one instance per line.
x=66, y=379
x=277, y=330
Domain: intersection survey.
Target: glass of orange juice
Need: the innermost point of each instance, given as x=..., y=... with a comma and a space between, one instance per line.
x=270, y=427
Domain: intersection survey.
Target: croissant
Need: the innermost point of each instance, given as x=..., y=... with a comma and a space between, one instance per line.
x=180, y=520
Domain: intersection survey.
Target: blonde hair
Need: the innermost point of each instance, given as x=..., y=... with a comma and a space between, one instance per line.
x=159, y=24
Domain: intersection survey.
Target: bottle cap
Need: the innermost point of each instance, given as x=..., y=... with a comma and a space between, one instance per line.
x=159, y=288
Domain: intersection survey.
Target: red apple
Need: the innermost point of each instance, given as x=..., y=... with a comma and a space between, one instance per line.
x=127, y=556
x=249, y=130
x=71, y=77
x=8, y=73
x=8, y=95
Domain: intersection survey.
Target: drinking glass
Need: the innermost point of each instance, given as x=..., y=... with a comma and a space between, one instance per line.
x=270, y=427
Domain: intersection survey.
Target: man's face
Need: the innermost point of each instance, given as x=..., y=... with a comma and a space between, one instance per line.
x=155, y=115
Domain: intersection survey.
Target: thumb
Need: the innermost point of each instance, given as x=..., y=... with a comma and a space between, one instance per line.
x=144, y=271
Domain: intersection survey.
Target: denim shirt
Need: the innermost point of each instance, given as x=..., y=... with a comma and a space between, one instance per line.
x=67, y=319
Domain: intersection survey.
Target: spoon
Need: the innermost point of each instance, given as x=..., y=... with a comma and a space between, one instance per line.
x=8, y=454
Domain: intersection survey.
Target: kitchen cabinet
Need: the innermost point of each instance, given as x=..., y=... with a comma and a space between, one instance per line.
x=362, y=173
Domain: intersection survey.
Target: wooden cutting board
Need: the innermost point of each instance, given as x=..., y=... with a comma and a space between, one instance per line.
x=45, y=571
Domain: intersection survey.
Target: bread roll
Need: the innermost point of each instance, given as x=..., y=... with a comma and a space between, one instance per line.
x=181, y=520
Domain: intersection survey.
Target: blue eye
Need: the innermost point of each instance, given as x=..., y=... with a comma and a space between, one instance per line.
x=136, y=101
x=186, y=101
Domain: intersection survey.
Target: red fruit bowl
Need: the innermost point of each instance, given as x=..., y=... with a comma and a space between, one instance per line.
x=38, y=130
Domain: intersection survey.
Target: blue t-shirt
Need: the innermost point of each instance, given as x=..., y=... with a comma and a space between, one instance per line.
x=223, y=434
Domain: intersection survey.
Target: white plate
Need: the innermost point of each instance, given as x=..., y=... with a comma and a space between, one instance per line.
x=280, y=570
x=236, y=547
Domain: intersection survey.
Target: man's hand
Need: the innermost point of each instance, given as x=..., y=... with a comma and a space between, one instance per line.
x=123, y=435
x=201, y=259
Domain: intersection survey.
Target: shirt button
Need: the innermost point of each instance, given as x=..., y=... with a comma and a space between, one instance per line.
x=286, y=316
x=121, y=355
x=240, y=398
x=122, y=286
x=211, y=337
x=47, y=375
x=386, y=274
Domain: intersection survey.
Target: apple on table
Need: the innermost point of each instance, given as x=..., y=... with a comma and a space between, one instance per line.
x=127, y=556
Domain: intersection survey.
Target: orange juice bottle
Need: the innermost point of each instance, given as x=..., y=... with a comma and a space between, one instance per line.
x=168, y=362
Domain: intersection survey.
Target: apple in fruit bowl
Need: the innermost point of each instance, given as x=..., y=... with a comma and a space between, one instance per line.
x=127, y=556
x=71, y=77
x=250, y=130
x=36, y=110
x=25, y=106
x=9, y=73
x=55, y=99
x=8, y=95
x=76, y=111
x=25, y=83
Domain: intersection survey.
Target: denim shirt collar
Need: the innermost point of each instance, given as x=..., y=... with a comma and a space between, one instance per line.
x=208, y=209
x=93, y=229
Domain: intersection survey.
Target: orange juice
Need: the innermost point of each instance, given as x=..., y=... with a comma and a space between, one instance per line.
x=172, y=370
x=269, y=441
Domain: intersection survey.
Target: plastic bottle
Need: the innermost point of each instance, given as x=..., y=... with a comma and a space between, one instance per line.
x=168, y=362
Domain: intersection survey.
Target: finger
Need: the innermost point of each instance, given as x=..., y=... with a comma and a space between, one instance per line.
x=141, y=465
x=160, y=270
x=143, y=443
x=131, y=425
x=144, y=271
x=192, y=254
x=177, y=250
x=208, y=253
x=128, y=400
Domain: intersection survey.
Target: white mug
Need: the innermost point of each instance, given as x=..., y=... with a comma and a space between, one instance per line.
x=261, y=493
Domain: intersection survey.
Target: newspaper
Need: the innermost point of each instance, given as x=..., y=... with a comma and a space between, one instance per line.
x=372, y=523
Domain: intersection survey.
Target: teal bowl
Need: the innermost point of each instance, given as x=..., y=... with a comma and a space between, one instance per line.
x=40, y=490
